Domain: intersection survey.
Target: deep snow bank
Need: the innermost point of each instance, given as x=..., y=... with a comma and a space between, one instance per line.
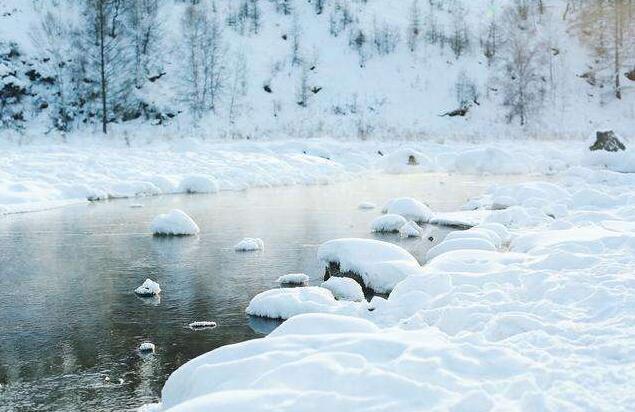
x=35, y=177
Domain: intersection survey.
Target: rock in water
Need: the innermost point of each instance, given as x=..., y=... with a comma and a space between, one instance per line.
x=607, y=141
x=147, y=347
x=205, y=324
x=149, y=288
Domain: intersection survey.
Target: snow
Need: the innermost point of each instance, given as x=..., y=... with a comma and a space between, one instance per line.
x=409, y=208
x=198, y=184
x=411, y=229
x=380, y=265
x=285, y=303
x=344, y=289
x=147, y=347
x=174, y=223
x=249, y=244
x=388, y=223
x=293, y=279
x=148, y=288
x=476, y=243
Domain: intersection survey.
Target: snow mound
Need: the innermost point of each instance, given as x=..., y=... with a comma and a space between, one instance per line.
x=379, y=265
x=293, y=279
x=366, y=206
x=476, y=243
x=198, y=184
x=147, y=347
x=411, y=229
x=409, y=208
x=344, y=289
x=477, y=233
x=249, y=244
x=175, y=223
x=287, y=302
x=148, y=288
x=492, y=160
x=407, y=161
x=323, y=323
x=388, y=223
x=202, y=324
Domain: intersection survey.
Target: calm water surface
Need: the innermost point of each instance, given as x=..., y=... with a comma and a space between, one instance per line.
x=70, y=323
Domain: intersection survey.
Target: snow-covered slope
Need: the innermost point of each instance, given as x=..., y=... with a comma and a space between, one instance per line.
x=338, y=83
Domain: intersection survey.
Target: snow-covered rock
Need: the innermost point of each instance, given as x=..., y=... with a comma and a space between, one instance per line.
x=294, y=279
x=202, y=324
x=147, y=347
x=388, y=223
x=409, y=208
x=407, y=160
x=476, y=243
x=411, y=229
x=174, y=223
x=198, y=184
x=287, y=302
x=149, y=288
x=379, y=265
x=249, y=244
x=344, y=289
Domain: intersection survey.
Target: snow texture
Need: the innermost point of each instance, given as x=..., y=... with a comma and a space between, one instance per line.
x=409, y=208
x=148, y=288
x=344, y=289
x=174, y=223
x=411, y=229
x=293, y=279
x=388, y=223
x=249, y=244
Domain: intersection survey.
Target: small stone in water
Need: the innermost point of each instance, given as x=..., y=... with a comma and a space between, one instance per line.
x=147, y=347
x=202, y=325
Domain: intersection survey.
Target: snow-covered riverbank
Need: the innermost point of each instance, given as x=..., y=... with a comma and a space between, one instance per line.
x=544, y=321
x=39, y=176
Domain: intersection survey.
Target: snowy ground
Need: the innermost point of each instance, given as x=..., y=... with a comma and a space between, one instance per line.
x=40, y=176
x=543, y=320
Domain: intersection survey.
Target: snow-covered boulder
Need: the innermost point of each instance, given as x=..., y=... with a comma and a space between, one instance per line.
x=175, y=223
x=294, y=279
x=450, y=245
x=411, y=229
x=202, y=324
x=287, y=302
x=406, y=161
x=377, y=265
x=409, y=208
x=344, y=289
x=366, y=206
x=149, y=288
x=198, y=184
x=388, y=223
x=249, y=244
x=147, y=347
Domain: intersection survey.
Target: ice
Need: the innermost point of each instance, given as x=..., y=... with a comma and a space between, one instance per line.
x=344, y=289
x=148, y=288
x=388, y=223
x=293, y=279
x=174, y=223
x=409, y=208
x=249, y=244
x=411, y=229
x=380, y=265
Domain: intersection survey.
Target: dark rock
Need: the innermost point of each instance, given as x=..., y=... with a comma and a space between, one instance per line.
x=630, y=75
x=267, y=88
x=607, y=141
x=412, y=160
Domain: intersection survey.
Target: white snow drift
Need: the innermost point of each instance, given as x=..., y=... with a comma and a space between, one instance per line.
x=409, y=208
x=344, y=289
x=174, y=223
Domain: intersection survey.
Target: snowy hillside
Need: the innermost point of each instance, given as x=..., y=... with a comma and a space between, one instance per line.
x=268, y=68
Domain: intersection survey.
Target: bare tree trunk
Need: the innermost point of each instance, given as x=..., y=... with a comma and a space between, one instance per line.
x=102, y=65
x=618, y=45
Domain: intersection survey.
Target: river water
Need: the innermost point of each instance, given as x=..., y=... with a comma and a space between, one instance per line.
x=70, y=322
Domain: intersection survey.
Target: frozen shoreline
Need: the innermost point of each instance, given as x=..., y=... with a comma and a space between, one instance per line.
x=38, y=177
